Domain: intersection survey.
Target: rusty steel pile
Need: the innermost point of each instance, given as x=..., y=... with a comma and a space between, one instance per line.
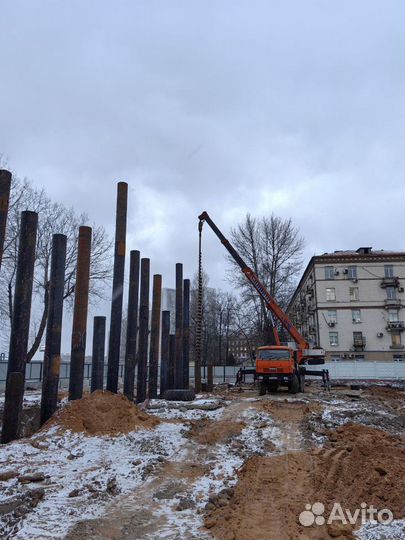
x=144, y=343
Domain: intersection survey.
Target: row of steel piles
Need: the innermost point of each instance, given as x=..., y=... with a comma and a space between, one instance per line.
x=174, y=349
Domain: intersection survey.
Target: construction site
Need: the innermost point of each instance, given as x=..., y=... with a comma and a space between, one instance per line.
x=168, y=452
x=202, y=270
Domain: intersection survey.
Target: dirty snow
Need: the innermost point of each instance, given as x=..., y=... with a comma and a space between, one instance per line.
x=87, y=464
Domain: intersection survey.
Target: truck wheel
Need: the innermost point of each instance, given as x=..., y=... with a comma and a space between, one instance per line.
x=262, y=388
x=294, y=385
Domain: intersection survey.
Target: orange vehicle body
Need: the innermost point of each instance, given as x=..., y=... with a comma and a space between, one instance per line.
x=279, y=365
x=266, y=366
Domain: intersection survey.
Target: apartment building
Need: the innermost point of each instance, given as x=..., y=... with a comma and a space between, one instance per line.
x=239, y=349
x=351, y=303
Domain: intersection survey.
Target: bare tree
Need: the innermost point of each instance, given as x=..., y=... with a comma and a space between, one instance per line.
x=53, y=218
x=273, y=248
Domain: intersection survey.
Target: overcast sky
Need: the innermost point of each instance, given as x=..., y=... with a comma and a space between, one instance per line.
x=291, y=106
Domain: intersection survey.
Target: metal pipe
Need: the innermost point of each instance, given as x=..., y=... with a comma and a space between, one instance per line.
x=178, y=370
x=98, y=354
x=15, y=382
x=118, y=288
x=5, y=185
x=186, y=333
x=172, y=361
x=78, y=348
x=132, y=325
x=51, y=366
x=164, y=353
x=155, y=336
x=143, y=331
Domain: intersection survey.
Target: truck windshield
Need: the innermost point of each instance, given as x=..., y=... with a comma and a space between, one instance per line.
x=273, y=354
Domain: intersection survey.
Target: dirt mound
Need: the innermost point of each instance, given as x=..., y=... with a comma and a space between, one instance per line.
x=385, y=392
x=214, y=431
x=360, y=465
x=102, y=413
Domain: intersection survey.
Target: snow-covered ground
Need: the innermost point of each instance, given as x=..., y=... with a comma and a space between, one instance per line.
x=80, y=477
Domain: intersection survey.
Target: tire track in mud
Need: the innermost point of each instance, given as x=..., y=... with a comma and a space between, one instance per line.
x=159, y=507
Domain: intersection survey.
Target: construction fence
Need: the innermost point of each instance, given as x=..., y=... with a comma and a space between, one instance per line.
x=337, y=370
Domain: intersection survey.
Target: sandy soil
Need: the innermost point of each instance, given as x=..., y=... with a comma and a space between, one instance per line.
x=231, y=466
x=360, y=464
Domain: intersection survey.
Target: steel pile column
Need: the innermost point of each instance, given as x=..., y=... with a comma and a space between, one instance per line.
x=143, y=331
x=118, y=286
x=98, y=354
x=132, y=325
x=51, y=366
x=178, y=369
x=164, y=353
x=5, y=184
x=155, y=336
x=20, y=327
x=78, y=349
x=186, y=333
x=172, y=361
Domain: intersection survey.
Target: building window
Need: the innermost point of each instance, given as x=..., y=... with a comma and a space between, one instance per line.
x=391, y=293
x=329, y=272
x=352, y=272
x=359, y=358
x=396, y=339
x=356, y=315
x=332, y=316
x=393, y=315
x=333, y=338
x=354, y=294
x=388, y=270
x=358, y=338
x=330, y=295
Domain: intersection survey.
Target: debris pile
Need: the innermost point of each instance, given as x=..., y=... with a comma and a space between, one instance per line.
x=102, y=413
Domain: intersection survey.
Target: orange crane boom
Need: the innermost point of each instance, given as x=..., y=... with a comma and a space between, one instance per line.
x=269, y=301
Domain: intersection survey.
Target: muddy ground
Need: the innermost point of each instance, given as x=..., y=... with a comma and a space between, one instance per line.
x=230, y=465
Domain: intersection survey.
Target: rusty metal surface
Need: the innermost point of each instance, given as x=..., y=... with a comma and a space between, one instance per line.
x=5, y=185
x=172, y=361
x=117, y=288
x=52, y=359
x=155, y=336
x=132, y=325
x=178, y=368
x=78, y=347
x=98, y=354
x=186, y=332
x=143, y=331
x=164, y=353
x=20, y=327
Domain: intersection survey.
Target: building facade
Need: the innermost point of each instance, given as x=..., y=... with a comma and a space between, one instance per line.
x=238, y=348
x=351, y=303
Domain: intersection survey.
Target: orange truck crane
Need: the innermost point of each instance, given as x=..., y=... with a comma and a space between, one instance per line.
x=275, y=364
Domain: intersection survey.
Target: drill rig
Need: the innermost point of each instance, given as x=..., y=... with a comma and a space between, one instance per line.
x=277, y=364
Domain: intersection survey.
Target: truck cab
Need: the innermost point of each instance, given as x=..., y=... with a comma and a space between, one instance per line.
x=278, y=365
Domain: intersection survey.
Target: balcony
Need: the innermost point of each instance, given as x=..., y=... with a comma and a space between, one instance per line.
x=393, y=303
x=359, y=343
x=389, y=282
x=395, y=326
